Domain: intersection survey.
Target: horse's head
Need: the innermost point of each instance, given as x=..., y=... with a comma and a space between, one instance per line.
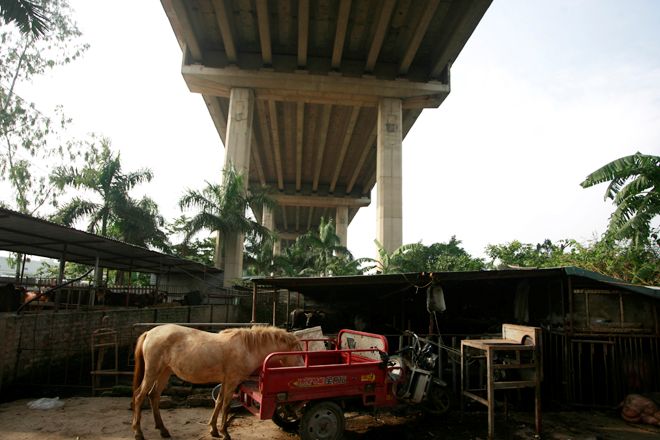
x=286, y=342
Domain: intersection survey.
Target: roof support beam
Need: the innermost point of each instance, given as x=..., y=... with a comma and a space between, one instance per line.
x=275, y=141
x=176, y=12
x=297, y=218
x=348, y=135
x=218, y=115
x=300, y=124
x=303, y=31
x=264, y=32
x=417, y=36
x=224, y=24
x=379, y=35
x=363, y=157
x=257, y=161
x=309, y=218
x=319, y=201
x=459, y=35
x=340, y=35
x=285, y=223
x=264, y=133
x=288, y=87
x=320, y=148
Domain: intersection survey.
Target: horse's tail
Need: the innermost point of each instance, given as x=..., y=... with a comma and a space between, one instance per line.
x=138, y=373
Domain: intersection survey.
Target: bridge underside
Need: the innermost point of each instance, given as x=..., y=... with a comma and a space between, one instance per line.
x=319, y=76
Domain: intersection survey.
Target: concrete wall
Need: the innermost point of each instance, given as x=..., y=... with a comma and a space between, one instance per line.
x=33, y=344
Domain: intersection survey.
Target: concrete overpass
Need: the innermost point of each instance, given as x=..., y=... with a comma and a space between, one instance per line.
x=314, y=97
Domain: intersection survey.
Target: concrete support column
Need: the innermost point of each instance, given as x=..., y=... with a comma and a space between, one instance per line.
x=389, y=211
x=341, y=225
x=268, y=221
x=237, y=152
x=267, y=218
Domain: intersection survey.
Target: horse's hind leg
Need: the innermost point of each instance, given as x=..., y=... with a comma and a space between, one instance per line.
x=138, y=398
x=154, y=398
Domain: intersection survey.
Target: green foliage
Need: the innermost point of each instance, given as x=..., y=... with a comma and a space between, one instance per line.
x=635, y=190
x=416, y=257
x=325, y=253
x=517, y=254
x=316, y=253
x=200, y=250
x=224, y=208
x=30, y=139
x=613, y=257
x=258, y=255
x=28, y=15
x=110, y=211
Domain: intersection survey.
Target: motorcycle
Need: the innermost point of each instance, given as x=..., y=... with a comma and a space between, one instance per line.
x=420, y=384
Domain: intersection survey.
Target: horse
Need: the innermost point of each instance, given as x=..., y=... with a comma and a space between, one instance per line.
x=228, y=357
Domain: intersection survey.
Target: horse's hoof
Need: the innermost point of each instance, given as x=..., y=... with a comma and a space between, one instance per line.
x=139, y=436
x=165, y=433
x=215, y=433
x=225, y=436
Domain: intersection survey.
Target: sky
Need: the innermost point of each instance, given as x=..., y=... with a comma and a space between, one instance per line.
x=542, y=94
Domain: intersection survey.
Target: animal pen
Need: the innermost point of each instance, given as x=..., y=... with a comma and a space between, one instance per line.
x=600, y=336
x=49, y=342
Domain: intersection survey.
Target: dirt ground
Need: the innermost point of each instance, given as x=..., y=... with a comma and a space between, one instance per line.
x=108, y=418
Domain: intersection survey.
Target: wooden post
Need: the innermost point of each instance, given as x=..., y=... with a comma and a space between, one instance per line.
x=491, y=393
x=254, y=303
x=274, y=305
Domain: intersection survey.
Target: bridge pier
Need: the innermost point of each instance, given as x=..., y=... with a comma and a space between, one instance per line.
x=237, y=153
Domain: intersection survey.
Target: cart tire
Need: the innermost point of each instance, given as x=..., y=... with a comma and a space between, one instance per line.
x=286, y=418
x=322, y=421
x=438, y=400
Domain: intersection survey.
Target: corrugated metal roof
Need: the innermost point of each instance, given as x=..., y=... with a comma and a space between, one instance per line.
x=383, y=284
x=29, y=235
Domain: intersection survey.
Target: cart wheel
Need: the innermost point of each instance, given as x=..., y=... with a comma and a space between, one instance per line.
x=438, y=400
x=287, y=418
x=322, y=421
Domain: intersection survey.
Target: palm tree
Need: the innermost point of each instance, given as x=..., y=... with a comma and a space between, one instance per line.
x=405, y=258
x=324, y=248
x=634, y=182
x=29, y=16
x=115, y=213
x=223, y=208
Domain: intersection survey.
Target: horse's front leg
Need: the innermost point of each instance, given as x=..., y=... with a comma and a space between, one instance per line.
x=213, y=422
x=154, y=398
x=228, y=393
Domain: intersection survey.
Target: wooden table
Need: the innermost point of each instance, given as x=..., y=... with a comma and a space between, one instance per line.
x=518, y=349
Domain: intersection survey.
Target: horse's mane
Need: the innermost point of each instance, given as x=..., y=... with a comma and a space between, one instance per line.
x=257, y=335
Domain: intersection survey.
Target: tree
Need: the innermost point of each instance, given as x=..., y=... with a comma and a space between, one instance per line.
x=326, y=254
x=28, y=15
x=608, y=255
x=399, y=261
x=292, y=262
x=29, y=137
x=192, y=249
x=451, y=257
x=258, y=258
x=35, y=36
x=634, y=189
x=416, y=257
x=114, y=213
x=224, y=208
x=515, y=253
